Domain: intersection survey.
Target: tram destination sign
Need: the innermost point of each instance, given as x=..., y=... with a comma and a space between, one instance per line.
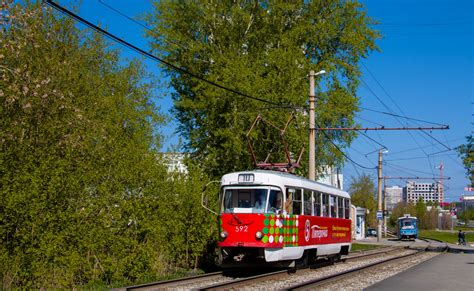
x=246, y=178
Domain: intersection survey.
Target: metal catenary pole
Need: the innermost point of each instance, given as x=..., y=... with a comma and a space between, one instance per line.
x=379, y=196
x=312, y=153
x=312, y=128
x=385, y=211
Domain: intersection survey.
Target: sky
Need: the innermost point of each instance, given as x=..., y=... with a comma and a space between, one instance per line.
x=424, y=70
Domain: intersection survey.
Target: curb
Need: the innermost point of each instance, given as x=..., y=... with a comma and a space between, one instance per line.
x=460, y=250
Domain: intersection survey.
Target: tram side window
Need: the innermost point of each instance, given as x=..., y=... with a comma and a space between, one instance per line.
x=228, y=200
x=290, y=192
x=325, y=204
x=317, y=203
x=332, y=203
x=275, y=201
x=347, y=204
x=297, y=201
x=308, y=203
x=340, y=207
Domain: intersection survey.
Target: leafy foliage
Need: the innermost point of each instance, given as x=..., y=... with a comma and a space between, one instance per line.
x=264, y=49
x=362, y=191
x=466, y=214
x=466, y=152
x=426, y=219
x=188, y=228
x=86, y=200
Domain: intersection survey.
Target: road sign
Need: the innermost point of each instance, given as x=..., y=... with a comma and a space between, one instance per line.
x=379, y=215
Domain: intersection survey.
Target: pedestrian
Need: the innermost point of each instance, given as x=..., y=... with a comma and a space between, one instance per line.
x=460, y=237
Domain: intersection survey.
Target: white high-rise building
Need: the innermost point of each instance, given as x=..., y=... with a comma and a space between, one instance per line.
x=427, y=191
x=175, y=162
x=393, y=195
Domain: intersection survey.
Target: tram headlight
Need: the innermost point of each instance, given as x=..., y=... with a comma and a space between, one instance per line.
x=223, y=234
x=258, y=235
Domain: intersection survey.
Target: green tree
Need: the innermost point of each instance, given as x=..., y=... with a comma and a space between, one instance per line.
x=426, y=219
x=466, y=152
x=264, y=49
x=400, y=210
x=189, y=229
x=467, y=214
x=420, y=210
x=79, y=178
x=362, y=191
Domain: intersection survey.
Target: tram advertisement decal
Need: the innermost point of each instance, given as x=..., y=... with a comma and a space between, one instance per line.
x=283, y=230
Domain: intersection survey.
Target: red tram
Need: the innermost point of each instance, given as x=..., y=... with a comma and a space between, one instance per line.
x=280, y=219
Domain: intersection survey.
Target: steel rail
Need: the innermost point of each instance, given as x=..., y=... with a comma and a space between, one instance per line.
x=310, y=285
x=369, y=254
x=174, y=282
x=241, y=282
x=245, y=281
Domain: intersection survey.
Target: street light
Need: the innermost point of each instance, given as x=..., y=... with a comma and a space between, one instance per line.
x=312, y=154
x=320, y=73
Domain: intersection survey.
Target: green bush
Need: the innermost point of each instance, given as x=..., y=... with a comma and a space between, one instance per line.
x=86, y=200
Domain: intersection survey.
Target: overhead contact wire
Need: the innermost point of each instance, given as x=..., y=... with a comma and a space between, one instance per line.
x=151, y=56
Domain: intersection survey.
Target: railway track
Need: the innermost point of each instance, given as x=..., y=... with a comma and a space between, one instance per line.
x=279, y=275
x=320, y=282
x=168, y=284
x=374, y=252
x=231, y=280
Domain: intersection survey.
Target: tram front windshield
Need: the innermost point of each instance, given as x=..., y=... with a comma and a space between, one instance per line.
x=407, y=224
x=251, y=200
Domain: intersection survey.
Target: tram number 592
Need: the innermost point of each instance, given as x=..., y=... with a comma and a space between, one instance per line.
x=242, y=228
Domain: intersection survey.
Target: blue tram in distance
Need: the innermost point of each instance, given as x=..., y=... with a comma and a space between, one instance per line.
x=407, y=227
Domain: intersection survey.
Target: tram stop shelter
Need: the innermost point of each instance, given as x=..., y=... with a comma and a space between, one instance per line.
x=358, y=215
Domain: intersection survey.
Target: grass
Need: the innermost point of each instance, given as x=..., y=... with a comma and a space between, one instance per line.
x=463, y=228
x=450, y=237
x=363, y=247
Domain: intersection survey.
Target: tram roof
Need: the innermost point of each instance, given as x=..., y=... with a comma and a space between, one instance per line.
x=287, y=179
x=407, y=217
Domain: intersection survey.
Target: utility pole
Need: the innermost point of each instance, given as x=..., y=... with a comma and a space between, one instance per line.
x=385, y=211
x=379, y=196
x=312, y=138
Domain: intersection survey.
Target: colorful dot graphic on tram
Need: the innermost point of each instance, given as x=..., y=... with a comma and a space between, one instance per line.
x=280, y=229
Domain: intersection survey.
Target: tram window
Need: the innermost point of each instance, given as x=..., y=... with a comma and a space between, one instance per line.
x=297, y=201
x=308, y=203
x=289, y=200
x=407, y=223
x=347, y=204
x=228, y=199
x=245, y=200
x=340, y=207
x=332, y=203
x=325, y=203
x=317, y=203
x=275, y=201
